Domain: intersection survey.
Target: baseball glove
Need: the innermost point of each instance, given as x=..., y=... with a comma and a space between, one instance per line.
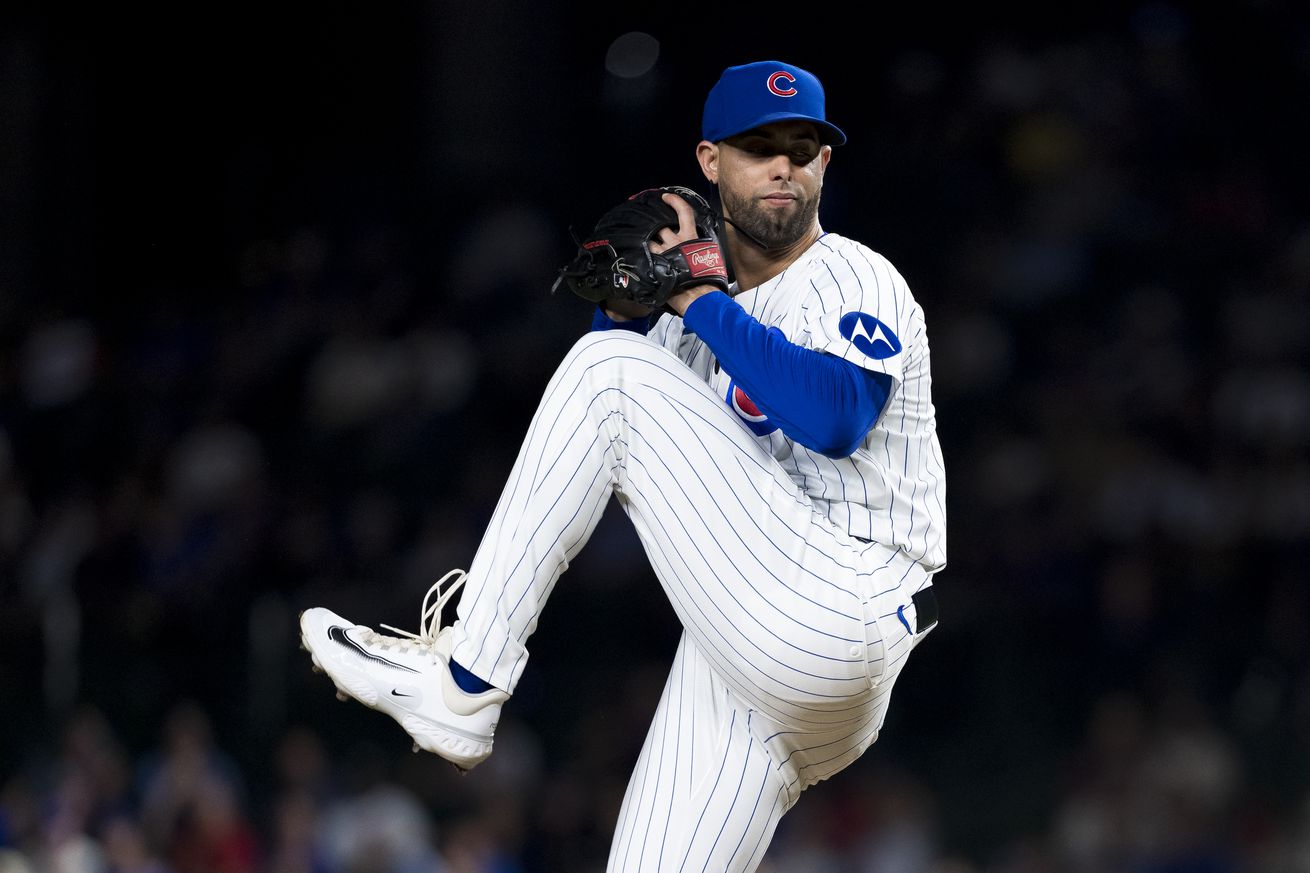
x=616, y=261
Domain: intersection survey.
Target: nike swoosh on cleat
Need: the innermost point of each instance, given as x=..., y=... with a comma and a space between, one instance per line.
x=396, y=693
x=337, y=634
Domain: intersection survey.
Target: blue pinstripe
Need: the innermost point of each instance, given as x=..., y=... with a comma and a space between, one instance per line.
x=700, y=819
x=736, y=796
x=755, y=809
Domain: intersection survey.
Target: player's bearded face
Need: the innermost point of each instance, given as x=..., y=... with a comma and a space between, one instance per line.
x=770, y=180
x=776, y=228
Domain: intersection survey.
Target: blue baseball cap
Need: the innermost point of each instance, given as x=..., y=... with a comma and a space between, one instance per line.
x=752, y=95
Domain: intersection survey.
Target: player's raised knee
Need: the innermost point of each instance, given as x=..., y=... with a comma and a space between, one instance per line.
x=600, y=346
x=621, y=358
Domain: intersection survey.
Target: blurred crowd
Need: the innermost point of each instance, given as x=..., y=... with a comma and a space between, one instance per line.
x=1163, y=789
x=1110, y=235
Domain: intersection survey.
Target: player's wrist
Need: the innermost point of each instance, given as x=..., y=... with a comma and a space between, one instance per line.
x=683, y=299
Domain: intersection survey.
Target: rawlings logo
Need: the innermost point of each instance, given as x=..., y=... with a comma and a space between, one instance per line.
x=709, y=259
x=782, y=76
x=705, y=259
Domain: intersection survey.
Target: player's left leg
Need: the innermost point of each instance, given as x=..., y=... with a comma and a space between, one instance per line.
x=705, y=793
x=774, y=595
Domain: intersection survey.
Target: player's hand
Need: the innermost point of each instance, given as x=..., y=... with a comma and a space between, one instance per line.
x=668, y=238
x=626, y=310
x=646, y=249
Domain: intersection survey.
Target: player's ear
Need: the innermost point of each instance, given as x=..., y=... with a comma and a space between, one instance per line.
x=707, y=153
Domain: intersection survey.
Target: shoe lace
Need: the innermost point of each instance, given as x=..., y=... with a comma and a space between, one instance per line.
x=429, y=622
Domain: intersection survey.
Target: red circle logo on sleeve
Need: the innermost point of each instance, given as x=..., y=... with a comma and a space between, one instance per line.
x=747, y=412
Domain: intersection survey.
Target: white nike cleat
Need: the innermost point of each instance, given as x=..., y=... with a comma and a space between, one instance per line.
x=408, y=678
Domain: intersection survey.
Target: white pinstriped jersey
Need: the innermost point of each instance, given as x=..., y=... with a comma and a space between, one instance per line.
x=843, y=298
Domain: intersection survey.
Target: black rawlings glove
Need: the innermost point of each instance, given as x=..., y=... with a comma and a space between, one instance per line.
x=615, y=260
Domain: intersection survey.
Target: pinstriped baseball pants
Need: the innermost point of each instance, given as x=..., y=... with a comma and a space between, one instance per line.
x=794, y=631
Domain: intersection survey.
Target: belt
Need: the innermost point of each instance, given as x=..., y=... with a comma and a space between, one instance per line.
x=925, y=608
x=925, y=602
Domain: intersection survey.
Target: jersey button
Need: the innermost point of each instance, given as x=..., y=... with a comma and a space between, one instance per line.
x=856, y=651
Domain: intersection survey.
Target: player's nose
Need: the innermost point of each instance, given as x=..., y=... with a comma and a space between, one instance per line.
x=780, y=167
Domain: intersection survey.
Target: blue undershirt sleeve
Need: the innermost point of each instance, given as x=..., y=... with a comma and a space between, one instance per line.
x=819, y=400
x=601, y=321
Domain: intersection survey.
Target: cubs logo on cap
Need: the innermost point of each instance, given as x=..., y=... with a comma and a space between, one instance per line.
x=780, y=83
x=752, y=95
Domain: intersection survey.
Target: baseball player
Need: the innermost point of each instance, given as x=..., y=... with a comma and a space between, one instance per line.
x=772, y=438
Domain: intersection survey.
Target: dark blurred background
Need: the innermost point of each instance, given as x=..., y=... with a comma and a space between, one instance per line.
x=274, y=317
